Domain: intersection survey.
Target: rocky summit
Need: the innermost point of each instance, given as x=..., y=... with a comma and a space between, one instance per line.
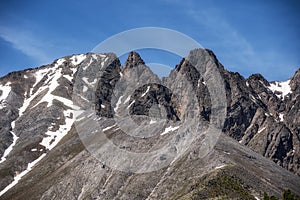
x=57, y=123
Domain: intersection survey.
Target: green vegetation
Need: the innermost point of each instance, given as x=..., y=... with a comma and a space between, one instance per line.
x=267, y=197
x=287, y=195
x=217, y=185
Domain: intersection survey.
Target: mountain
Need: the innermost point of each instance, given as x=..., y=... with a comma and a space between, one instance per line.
x=53, y=119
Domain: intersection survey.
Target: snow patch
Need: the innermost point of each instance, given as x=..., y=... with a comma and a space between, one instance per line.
x=148, y=88
x=110, y=127
x=77, y=59
x=51, y=84
x=118, y=103
x=10, y=148
x=70, y=78
x=169, y=129
x=53, y=138
x=95, y=57
x=18, y=177
x=221, y=166
x=84, y=88
x=91, y=61
x=152, y=121
x=281, y=117
x=127, y=99
x=261, y=130
x=102, y=106
x=39, y=75
x=85, y=79
x=59, y=62
x=48, y=97
x=130, y=104
x=283, y=87
x=5, y=92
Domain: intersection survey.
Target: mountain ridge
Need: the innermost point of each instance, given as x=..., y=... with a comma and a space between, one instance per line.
x=253, y=110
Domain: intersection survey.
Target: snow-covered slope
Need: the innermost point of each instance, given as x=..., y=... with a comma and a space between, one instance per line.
x=46, y=91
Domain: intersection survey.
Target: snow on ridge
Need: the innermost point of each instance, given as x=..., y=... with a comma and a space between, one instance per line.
x=10, y=148
x=52, y=137
x=169, y=129
x=148, y=88
x=18, y=177
x=48, y=97
x=53, y=85
x=5, y=92
x=60, y=62
x=77, y=59
x=39, y=75
x=118, y=103
x=283, y=87
x=86, y=66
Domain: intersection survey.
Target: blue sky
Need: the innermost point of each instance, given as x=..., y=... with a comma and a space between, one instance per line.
x=247, y=36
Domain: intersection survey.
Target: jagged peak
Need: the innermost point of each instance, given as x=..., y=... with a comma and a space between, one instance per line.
x=133, y=59
x=199, y=56
x=295, y=81
x=258, y=77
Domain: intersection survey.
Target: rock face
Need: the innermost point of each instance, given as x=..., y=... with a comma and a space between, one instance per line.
x=43, y=157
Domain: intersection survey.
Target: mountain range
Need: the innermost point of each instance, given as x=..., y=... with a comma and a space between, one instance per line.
x=47, y=147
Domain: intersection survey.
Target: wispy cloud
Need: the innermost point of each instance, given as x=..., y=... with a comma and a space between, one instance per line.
x=219, y=34
x=26, y=42
x=224, y=34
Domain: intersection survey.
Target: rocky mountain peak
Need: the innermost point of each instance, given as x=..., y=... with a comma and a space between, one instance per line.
x=133, y=60
x=258, y=78
x=295, y=81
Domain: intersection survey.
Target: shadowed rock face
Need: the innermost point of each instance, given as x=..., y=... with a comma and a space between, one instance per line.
x=156, y=95
x=260, y=123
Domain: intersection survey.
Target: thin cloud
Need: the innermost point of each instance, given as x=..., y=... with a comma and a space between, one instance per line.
x=25, y=42
x=237, y=51
x=222, y=30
